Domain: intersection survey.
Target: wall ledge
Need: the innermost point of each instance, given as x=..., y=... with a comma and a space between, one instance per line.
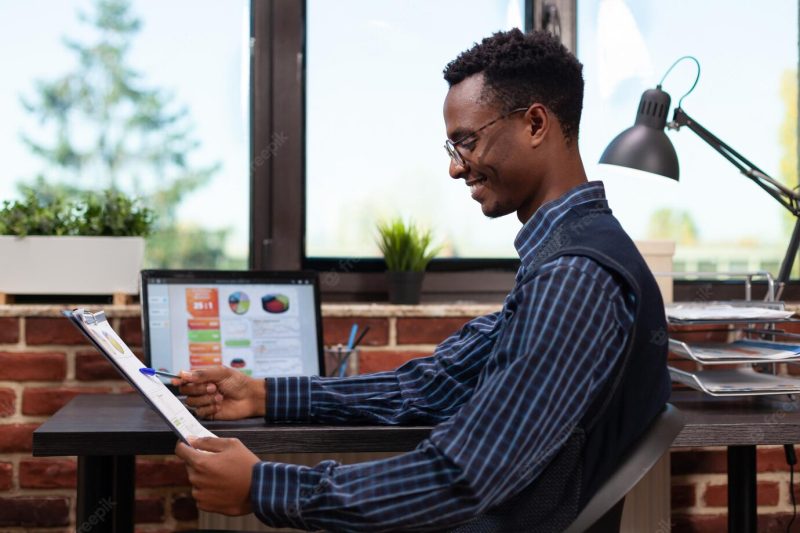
x=456, y=309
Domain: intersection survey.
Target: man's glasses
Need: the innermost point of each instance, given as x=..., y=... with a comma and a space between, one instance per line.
x=452, y=146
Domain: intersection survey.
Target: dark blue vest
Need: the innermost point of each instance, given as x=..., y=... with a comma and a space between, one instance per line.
x=636, y=392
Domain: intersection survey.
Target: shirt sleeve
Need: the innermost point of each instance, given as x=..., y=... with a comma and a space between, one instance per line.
x=551, y=358
x=426, y=390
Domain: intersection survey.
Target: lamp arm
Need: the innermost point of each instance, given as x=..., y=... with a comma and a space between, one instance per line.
x=787, y=197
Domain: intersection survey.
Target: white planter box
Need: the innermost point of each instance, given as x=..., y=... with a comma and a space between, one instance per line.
x=70, y=265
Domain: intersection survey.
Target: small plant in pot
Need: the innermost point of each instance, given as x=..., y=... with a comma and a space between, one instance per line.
x=407, y=251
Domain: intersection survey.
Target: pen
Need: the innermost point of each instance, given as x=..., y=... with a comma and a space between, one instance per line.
x=341, y=368
x=153, y=372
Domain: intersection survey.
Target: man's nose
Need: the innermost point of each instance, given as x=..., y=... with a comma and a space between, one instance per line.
x=458, y=171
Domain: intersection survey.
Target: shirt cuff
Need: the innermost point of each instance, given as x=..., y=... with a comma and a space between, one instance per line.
x=288, y=398
x=276, y=492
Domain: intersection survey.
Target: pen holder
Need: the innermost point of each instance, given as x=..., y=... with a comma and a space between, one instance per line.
x=337, y=358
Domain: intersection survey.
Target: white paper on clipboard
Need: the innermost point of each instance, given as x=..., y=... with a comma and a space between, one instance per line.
x=97, y=328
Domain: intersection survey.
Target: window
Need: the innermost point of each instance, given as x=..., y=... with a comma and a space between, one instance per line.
x=746, y=95
x=294, y=64
x=148, y=97
x=374, y=128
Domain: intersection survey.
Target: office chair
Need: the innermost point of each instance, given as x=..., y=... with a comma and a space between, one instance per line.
x=604, y=510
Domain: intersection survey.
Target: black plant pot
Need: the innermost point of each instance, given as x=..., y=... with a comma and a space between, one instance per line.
x=404, y=287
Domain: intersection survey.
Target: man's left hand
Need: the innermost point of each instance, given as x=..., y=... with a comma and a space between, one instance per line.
x=220, y=471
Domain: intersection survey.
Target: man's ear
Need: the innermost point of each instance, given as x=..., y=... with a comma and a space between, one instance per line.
x=538, y=119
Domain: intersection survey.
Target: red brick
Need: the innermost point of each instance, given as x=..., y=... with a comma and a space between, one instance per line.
x=33, y=366
x=427, y=330
x=684, y=364
x=774, y=523
x=48, y=400
x=699, y=462
x=151, y=473
x=6, y=476
x=381, y=360
x=91, y=366
x=16, y=437
x=149, y=510
x=47, y=473
x=9, y=330
x=44, y=330
x=184, y=507
x=698, y=333
x=768, y=493
x=336, y=330
x=29, y=512
x=698, y=523
x=683, y=496
x=772, y=459
x=130, y=329
x=7, y=402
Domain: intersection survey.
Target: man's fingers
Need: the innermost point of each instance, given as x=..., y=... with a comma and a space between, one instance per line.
x=211, y=444
x=208, y=411
x=194, y=389
x=210, y=373
x=202, y=401
x=187, y=453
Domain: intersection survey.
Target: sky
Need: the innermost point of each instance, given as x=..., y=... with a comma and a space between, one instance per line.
x=196, y=49
x=375, y=131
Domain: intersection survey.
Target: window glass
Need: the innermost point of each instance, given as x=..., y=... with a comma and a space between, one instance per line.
x=746, y=96
x=374, y=126
x=146, y=96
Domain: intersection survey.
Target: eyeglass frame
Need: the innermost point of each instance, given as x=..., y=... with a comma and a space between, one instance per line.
x=452, y=146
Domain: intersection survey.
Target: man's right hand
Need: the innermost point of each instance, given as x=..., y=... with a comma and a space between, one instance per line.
x=221, y=393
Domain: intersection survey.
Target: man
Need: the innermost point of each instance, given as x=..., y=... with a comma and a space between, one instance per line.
x=574, y=362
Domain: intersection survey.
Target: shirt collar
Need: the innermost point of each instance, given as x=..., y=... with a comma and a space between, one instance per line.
x=539, y=226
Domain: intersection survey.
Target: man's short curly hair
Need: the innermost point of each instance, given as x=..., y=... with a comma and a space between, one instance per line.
x=520, y=69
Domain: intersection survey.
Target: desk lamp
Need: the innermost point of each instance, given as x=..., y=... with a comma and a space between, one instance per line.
x=645, y=146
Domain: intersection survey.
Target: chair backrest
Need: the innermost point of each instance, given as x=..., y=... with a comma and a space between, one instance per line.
x=648, y=450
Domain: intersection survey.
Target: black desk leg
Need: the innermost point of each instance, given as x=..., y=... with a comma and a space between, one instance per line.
x=105, y=494
x=742, y=512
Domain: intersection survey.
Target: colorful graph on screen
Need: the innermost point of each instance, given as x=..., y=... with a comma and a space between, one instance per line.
x=239, y=302
x=275, y=303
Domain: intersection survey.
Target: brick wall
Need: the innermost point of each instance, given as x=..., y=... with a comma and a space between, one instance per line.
x=44, y=362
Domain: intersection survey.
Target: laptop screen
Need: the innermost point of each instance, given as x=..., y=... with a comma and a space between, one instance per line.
x=262, y=323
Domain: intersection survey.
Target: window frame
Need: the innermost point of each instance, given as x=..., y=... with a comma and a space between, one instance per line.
x=278, y=180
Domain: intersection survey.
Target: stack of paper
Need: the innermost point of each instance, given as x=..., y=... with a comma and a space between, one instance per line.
x=742, y=381
x=742, y=351
x=693, y=311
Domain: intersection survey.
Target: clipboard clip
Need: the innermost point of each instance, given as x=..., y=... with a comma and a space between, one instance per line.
x=93, y=318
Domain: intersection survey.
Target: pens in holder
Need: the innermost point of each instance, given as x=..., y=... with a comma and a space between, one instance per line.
x=351, y=347
x=153, y=372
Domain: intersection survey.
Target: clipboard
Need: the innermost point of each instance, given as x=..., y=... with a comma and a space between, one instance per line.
x=96, y=328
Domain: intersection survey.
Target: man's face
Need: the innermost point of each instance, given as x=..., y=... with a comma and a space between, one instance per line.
x=499, y=163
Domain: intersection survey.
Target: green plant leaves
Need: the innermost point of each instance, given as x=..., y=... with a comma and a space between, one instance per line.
x=405, y=247
x=107, y=213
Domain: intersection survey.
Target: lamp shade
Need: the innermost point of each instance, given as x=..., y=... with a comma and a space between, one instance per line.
x=645, y=146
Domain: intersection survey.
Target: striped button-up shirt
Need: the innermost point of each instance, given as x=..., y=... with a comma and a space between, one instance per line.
x=504, y=393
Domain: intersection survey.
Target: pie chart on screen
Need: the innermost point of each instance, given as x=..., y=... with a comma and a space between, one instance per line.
x=239, y=302
x=275, y=303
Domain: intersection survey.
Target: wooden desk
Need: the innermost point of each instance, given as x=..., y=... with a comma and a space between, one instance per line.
x=106, y=432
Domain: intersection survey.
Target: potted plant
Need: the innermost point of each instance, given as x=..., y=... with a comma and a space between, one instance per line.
x=90, y=244
x=407, y=251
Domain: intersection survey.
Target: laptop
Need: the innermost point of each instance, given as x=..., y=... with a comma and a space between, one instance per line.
x=265, y=324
